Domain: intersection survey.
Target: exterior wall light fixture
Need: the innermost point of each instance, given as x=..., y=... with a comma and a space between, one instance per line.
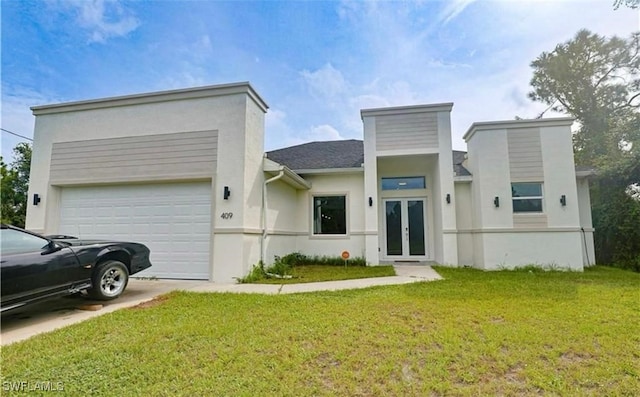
x=370, y=202
x=36, y=199
x=227, y=193
x=563, y=200
x=448, y=198
x=496, y=201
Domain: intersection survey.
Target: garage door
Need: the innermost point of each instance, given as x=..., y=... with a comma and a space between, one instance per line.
x=173, y=220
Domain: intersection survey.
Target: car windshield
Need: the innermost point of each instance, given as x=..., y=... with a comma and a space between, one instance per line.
x=15, y=241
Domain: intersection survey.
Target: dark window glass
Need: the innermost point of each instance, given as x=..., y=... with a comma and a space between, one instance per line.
x=526, y=189
x=527, y=197
x=394, y=227
x=411, y=182
x=416, y=227
x=527, y=205
x=329, y=215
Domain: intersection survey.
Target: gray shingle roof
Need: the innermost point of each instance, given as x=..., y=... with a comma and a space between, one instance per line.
x=318, y=155
x=458, y=159
x=336, y=154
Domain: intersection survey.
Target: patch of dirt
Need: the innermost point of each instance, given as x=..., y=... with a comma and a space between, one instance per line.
x=158, y=300
x=573, y=358
x=407, y=374
x=513, y=374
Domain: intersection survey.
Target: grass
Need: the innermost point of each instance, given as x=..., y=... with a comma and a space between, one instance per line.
x=315, y=273
x=475, y=333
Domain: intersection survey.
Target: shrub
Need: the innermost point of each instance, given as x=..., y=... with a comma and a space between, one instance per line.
x=256, y=273
x=282, y=265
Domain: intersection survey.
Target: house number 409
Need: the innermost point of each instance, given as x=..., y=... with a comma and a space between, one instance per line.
x=226, y=215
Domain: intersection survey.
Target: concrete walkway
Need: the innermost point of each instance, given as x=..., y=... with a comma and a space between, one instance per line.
x=404, y=274
x=48, y=316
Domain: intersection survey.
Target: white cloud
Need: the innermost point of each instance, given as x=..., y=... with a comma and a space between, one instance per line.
x=326, y=82
x=452, y=10
x=324, y=132
x=104, y=19
x=278, y=133
x=17, y=116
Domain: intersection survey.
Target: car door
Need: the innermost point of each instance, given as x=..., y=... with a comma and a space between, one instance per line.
x=33, y=267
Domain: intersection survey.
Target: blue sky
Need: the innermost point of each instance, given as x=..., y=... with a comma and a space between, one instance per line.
x=316, y=63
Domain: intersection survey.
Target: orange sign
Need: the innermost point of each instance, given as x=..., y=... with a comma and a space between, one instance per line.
x=345, y=254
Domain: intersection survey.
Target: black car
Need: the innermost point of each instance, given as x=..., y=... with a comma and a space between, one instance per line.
x=34, y=267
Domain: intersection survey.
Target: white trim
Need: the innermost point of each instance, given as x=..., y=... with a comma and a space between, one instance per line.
x=519, y=230
x=153, y=97
x=506, y=124
x=436, y=107
x=291, y=178
x=322, y=171
x=405, y=223
x=463, y=179
x=312, y=234
x=520, y=198
x=584, y=174
x=237, y=230
x=406, y=152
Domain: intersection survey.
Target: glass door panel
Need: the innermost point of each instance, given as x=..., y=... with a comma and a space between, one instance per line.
x=405, y=228
x=394, y=227
x=415, y=211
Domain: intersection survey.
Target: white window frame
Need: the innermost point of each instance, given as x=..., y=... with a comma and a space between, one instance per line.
x=541, y=198
x=312, y=231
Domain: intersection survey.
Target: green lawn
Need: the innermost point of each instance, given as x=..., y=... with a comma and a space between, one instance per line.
x=314, y=273
x=475, y=333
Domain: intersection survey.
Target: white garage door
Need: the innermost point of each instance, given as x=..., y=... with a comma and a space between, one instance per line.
x=173, y=220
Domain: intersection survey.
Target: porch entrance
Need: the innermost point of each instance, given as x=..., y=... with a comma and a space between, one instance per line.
x=405, y=223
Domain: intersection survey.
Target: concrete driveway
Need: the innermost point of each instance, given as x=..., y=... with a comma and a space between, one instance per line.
x=26, y=322
x=47, y=316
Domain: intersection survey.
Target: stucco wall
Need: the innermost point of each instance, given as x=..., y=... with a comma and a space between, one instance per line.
x=584, y=207
x=549, y=249
x=353, y=186
x=414, y=165
x=464, y=220
x=282, y=223
x=502, y=238
x=232, y=111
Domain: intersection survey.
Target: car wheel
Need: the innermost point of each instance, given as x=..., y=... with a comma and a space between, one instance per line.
x=109, y=280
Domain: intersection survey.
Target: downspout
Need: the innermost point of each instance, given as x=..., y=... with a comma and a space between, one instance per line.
x=263, y=247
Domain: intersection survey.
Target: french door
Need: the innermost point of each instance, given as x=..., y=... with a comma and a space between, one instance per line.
x=405, y=228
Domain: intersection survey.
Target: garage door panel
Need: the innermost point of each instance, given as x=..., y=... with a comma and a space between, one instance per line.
x=173, y=220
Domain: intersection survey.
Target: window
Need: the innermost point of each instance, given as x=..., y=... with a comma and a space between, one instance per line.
x=410, y=182
x=527, y=197
x=17, y=242
x=329, y=215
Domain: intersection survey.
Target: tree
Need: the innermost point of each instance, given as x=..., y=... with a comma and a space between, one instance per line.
x=597, y=81
x=628, y=3
x=14, y=185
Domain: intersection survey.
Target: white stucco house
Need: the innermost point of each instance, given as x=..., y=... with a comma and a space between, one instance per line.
x=185, y=172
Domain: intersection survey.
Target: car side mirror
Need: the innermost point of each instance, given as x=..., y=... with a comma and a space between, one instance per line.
x=51, y=248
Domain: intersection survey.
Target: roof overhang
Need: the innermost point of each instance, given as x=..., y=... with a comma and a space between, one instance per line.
x=585, y=173
x=463, y=179
x=436, y=107
x=506, y=124
x=328, y=171
x=153, y=97
x=289, y=177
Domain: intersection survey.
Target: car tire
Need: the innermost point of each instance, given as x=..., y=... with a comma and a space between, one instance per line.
x=109, y=280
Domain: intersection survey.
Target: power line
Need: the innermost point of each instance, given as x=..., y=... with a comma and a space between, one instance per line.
x=13, y=133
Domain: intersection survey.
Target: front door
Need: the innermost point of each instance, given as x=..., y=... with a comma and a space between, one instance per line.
x=405, y=224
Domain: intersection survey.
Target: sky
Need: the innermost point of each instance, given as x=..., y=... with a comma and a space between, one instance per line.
x=315, y=63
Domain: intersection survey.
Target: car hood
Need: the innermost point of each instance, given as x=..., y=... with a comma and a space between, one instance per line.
x=78, y=241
